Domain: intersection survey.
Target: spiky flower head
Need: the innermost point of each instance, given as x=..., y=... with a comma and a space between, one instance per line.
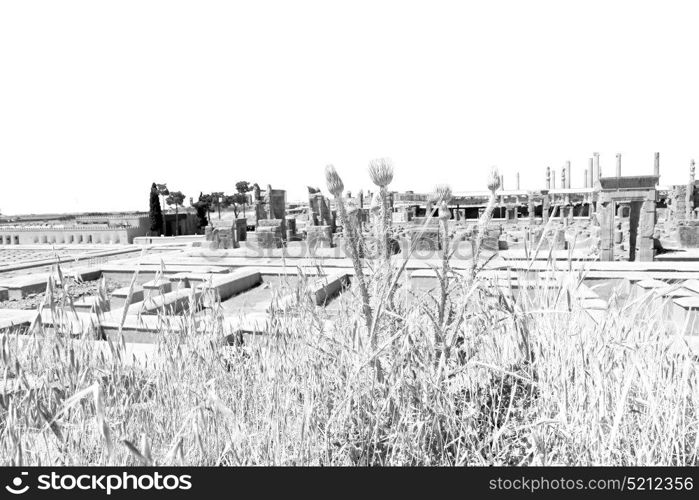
x=441, y=193
x=381, y=171
x=494, y=179
x=332, y=178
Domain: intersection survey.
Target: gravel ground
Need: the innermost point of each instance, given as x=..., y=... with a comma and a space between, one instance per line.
x=75, y=290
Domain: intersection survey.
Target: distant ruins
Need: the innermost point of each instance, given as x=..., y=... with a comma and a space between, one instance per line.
x=612, y=217
x=113, y=228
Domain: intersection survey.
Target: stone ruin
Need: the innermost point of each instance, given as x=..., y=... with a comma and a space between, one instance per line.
x=322, y=220
x=226, y=233
x=270, y=217
x=626, y=213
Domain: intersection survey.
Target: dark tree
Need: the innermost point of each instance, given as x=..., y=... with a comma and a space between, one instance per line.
x=217, y=200
x=156, y=213
x=236, y=201
x=242, y=187
x=175, y=198
x=163, y=192
x=202, y=208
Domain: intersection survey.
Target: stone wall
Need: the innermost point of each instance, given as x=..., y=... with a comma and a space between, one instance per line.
x=67, y=235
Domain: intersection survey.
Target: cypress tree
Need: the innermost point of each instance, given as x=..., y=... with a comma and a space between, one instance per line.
x=156, y=213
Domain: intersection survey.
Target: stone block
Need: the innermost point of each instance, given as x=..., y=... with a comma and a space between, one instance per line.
x=269, y=223
x=241, y=230
x=118, y=298
x=162, y=285
x=688, y=236
x=167, y=303
x=86, y=304
x=269, y=237
x=231, y=284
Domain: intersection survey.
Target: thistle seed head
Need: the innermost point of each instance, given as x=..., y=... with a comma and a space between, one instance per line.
x=381, y=171
x=494, y=179
x=333, y=180
x=441, y=193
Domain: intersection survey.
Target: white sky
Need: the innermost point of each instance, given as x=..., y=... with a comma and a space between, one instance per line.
x=99, y=99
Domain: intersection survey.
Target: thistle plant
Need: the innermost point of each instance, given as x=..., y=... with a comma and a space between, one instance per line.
x=493, y=186
x=376, y=224
x=442, y=195
x=381, y=173
x=336, y=188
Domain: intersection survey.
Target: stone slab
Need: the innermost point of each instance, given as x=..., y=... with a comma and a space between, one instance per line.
x=86, y=304
x=118, y=298
x=15, y=317
x=650, y=284
x=225, y=286
x=321, y=290
x=166, y=303
x=161, y=285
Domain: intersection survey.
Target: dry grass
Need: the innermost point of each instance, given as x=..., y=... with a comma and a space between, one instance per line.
x=500, y=379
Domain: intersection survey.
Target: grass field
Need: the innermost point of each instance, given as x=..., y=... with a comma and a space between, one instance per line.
x=496, y=381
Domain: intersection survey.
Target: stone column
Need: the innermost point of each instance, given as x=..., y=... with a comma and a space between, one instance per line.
x=563, y=178
x=656, y=165
x=569, y=174
x=546, y=207
x=689, y=195
x=553, y=179
x=595, y=166
x=646, y=228
x=565, y=183
x=618, y=164
x=517, y=181
x=586, y=179
x=548, y=177
x=606, y=220
x=530, y=201
x=590, y=173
